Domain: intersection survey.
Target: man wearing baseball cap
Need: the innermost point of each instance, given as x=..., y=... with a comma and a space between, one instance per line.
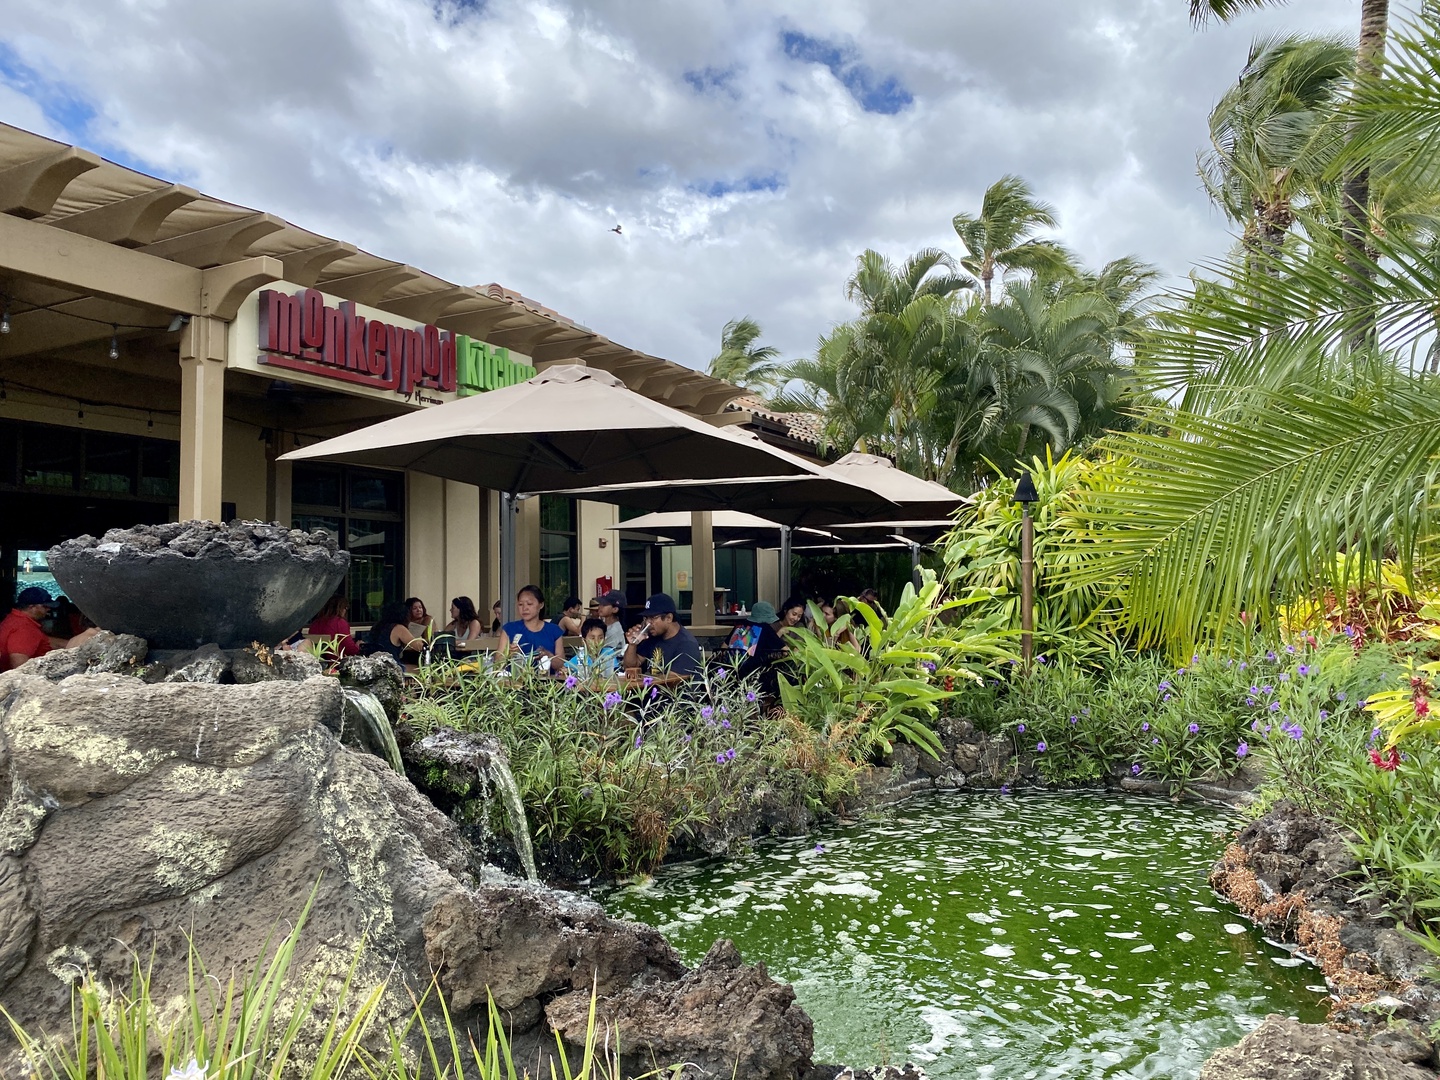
x=661, y=642
x=21, y=635
x=610, y=607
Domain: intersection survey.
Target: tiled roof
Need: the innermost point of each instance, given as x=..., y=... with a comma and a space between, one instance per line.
x=803, y=427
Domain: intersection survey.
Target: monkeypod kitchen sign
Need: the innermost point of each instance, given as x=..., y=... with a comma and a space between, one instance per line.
x=291, y=331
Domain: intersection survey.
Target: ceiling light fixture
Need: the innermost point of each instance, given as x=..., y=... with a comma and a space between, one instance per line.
x=5, y=317
x=114, y=342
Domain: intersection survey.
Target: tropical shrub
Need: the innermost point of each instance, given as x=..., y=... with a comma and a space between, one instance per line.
x=982, y=558
x=615, y=776
x=890, y=674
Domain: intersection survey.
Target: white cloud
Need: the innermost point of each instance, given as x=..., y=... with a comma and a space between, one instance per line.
x=503, y=141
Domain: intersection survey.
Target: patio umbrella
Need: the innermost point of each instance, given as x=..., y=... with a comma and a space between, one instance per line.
x=567, y=428
x=731, y=526
x=921, y=499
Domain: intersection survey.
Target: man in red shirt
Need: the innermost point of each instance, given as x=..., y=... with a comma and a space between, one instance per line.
x=21, y=635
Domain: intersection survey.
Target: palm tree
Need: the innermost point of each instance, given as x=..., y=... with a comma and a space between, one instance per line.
x=1369, y=57
x=1001, y=235
x=742, y=362
x=1272, y=134
x=1297, y=448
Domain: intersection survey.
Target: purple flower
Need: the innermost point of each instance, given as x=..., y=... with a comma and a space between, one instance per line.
x=1249, y=701
x=723, y=711
x=1254, y=725
x=1164, y=685
x=1270, y=655
x=819, y=849
x=706, y=713
x=1350, y=631
x=654, y=692
x=1324, y=715
x=1374, y=735
x=1165, y=699
x=1284, y=676
x=1229, y=661
x=611, y=700
x=750, y=695
x=1041, y=658
x=929, y=665
x=1295, y=732
x=1145, y=726
x=1004, y=789
x=1135, y=769
x=1085, y=711
x=1180, y=672
x=1242, y=750
x=647, y=682
x=1194, y=659
x=1274, y=706
x=719, y=759
x=1340, y=696
x=1290, y=649
x=571, y=682
x=1074, y=719
x=725, y=723
x=1303, y=670
x=1040, y=746
x=685, y=739
x=1020, y=728
x=730, y=754
x=1267, y=688
x=1244, y=664
x=1194, y=728
x=1155, y=741
x=723, y=673
x=637, y=742
x=1254, y=690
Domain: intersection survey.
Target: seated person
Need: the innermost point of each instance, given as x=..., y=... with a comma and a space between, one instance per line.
x=419, y=621
x=595, y=660
x=22, y=637
x=572, y=616
x=792, y=614
x=757, y=637
x=464, y=624
x=392, y=636
x=529, y=635
x=495, y=622
x=333, y=623
x=661, y=642
x=610, y=607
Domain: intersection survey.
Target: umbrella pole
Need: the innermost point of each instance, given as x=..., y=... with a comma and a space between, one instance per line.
x=784, y=564
x=508, y=509
x=915, y=562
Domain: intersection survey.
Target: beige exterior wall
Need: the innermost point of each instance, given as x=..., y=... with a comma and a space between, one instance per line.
x=442, y=543
x=767, y=575
x=594, y=560
x=244, y=471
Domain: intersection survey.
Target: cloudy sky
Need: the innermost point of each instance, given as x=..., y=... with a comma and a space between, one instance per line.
x=749, y=150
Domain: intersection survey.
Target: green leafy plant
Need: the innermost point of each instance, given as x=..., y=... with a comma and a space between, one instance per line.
x=891, y=674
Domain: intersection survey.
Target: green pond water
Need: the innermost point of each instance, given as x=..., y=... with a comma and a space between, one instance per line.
x=1068, y=935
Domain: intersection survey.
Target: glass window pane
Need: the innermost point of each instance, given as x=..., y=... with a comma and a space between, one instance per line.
x=375, y=491
x=160, y=469
x=374, y=548
x=309, y=522
x=557, y=513
x=315, y=486
x=51, y=457
x=109, y=463
x=9, y=452
x=557, y=571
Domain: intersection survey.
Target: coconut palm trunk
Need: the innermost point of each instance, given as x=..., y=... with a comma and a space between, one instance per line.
x=1355, y=193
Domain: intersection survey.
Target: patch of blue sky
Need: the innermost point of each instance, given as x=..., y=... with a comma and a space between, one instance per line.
x=710, y=80
x=68, y=110
x=745, y=185
x=453, y=12
x=873, y=93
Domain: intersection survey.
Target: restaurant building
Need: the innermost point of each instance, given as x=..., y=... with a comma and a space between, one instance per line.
x=162, y=348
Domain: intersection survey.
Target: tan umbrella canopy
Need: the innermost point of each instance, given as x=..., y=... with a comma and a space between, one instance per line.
x=920, y=499
x=816, y=499
x=729, y=525
x=568, y=427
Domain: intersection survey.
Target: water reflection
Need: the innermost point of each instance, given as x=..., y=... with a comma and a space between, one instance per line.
x=1063, y=935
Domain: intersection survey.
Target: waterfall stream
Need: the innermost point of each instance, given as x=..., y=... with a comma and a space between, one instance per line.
x=364, y=710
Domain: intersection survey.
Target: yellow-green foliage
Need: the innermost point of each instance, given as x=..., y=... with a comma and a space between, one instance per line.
x=982, y=557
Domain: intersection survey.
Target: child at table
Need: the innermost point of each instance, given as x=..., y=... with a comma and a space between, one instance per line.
x=595, y=659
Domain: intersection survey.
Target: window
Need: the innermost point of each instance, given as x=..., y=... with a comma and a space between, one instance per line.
x=735, y=571
x=47, y=459
x=558, y=550
x=364, y=510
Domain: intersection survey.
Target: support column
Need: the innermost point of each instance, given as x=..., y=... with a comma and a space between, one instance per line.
x=202, y=417
x=785, y=539
x=702, y=568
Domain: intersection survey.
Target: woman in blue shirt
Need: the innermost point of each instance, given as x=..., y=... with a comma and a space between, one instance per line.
x=530, y=634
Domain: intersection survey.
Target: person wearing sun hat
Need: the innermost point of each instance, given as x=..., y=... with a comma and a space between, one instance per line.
x=22, y=637
x=757, y=637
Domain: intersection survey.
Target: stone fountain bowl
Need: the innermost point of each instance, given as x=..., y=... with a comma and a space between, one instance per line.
x=193, y=583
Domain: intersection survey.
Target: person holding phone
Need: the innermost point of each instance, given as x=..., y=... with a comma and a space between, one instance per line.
x=529, y=635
